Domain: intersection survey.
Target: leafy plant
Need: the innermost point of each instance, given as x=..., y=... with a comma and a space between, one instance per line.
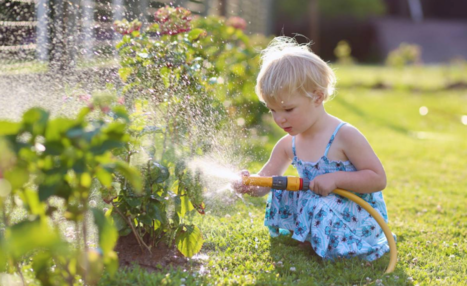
x=404, y=55
x=173, y=118
x=233, y=60
x=343, y=53
x=47, y=168
x=170, y=194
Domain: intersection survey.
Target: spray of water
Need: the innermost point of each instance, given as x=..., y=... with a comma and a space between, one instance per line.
x=216, y=177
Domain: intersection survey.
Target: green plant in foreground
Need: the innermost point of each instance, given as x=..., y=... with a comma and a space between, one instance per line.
x=169, y=193
x=45, y=161
x=173, y=117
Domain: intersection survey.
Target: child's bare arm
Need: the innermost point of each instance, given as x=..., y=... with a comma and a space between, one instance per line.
x=370, y=175
x=276, y=166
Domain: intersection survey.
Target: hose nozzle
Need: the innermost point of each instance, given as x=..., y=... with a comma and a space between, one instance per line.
x=278, y=183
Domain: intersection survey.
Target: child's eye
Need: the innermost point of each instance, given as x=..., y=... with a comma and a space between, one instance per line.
x=289, y=109
x=271, y=111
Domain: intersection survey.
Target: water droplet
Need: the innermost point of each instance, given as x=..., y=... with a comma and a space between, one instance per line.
x=423, y=110
x=464, y=119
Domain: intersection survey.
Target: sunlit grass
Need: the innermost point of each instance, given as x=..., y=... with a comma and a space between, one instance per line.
x=423, y=77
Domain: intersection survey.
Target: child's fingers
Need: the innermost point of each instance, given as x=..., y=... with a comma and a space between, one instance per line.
x=238, y=185
x=311, y=186
x=315, y=188
x=244, y=173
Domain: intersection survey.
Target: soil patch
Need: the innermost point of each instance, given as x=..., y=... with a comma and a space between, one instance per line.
x=162, y=256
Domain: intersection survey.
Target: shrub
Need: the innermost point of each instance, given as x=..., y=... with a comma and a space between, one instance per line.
x=47, y=168
x=405, y=54
x=173, y=118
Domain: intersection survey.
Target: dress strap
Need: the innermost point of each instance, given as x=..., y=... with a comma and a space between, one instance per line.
x=332, y=137
x=293, y=147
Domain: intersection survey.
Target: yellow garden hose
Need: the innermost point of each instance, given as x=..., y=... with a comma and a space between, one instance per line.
x=379, y=219
x=297, y=184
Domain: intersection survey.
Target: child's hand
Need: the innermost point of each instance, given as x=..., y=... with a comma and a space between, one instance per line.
x=238, y=185
x=323, y=185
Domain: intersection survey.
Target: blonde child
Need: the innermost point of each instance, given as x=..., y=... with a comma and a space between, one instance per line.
x=294, y=83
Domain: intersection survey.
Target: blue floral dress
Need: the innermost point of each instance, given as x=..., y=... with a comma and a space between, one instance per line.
x=335, y=226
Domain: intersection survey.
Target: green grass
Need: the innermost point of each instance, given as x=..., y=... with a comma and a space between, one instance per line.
x=424, y=78
x=425, y=160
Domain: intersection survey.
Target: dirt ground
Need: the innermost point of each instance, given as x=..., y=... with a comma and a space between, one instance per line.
x=161, y=256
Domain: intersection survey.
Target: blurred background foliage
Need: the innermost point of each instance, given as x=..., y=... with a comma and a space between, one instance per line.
x=334, y=8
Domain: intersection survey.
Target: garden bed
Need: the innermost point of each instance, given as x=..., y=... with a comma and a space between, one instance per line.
x=162, y=256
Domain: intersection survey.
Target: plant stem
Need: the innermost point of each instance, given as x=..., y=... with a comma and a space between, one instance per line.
x=77, y=234
x=18, y=268
x=138, y=238
x=5, y=218
x=85, y=266
x=70, y=276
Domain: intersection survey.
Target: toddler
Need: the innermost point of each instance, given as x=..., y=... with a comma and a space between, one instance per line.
x=294, y=83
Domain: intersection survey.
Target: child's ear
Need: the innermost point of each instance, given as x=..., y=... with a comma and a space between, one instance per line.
x=318, y=97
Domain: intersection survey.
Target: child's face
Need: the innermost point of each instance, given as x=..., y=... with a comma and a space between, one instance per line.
x=294, y=113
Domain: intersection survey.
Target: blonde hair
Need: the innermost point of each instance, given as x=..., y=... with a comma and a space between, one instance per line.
x=288, y=67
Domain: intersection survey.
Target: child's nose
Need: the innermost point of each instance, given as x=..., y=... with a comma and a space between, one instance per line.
x=279, y=118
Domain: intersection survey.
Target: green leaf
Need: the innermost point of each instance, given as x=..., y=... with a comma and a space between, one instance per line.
x=75, y=132
x=131, y=174
x=155, y=210
x=119, y=45
x=9, y=128
x=86, y=180
x=106, y=145
x=17, y=177
x=165, y=75
x=238, y=69
x=154, y=28
x=36, y=118
x=189, y=240
x=46, y=191
x=108, y=235
x=41, y=263
x=57, y=127
x=54, y=147
x=158, y=173
x=119, y=222
x=28, y=235
x=115, y=130
x=104, y=177
x=3, y=254
x=31, y=198
x=183, y=205
x=83, y=113
x=111, y=262
x=120, y=112
x=195, y=34
x=134, y=202
x=126, y=39
x=125, y=73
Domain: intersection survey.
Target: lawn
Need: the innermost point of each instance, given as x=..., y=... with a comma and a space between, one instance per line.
x=419, y=133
